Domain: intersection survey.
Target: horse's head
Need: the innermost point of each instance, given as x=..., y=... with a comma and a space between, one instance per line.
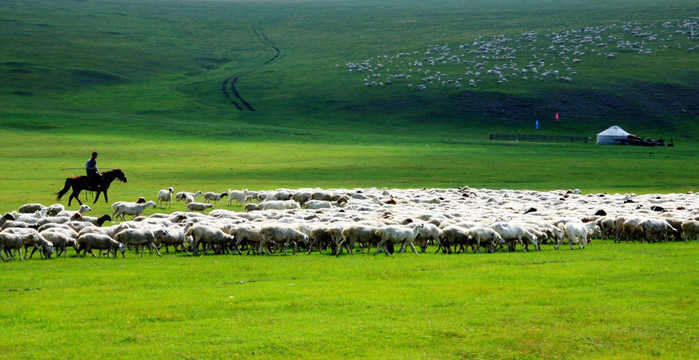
x=119, y=175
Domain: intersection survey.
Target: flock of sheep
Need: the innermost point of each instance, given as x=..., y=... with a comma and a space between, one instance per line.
x=341, y=220
x=530, y=56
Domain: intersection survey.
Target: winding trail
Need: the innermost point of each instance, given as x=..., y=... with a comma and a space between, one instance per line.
x=228, y=86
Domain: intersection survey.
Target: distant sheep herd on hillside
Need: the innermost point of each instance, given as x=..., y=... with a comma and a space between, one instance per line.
x=342, y=221
x=528, y=57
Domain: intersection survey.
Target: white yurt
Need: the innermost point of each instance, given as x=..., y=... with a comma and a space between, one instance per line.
x=606, y=137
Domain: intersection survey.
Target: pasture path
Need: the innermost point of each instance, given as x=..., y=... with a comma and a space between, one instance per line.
x=229, y=83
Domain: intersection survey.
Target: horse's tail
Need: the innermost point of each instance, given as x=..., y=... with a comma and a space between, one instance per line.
x=65, y=189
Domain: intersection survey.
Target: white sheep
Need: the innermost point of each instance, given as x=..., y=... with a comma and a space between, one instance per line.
x=97, y=221
x=30, y=208
x=319, y=204
x=32, y=218
x=211, y=237
x=322, y=236
x=577, y=233
x=428, y=234
x=252, y=207
x=362, y=234
x=247, y=235
x=17, y=238
x=175, y=237
x=279, y=233
x=197, y=206
x=485, y=236
x=690, y=230
x=396, y=234
x=44, y=246
x=279, y=205
x=165, y=196
x=513, y=234
x=141, y=237
x=83, y=209
x=212, y=196
x=61, y=239
x=452, y=235
x=122, y=208
x=110, y=231
x=184, y=195
x=54, y=209
x=241, y=196
x=89, y=241
x=655, y=229
x=631, y=229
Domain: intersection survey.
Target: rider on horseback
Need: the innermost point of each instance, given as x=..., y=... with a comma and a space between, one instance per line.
x=93, y=175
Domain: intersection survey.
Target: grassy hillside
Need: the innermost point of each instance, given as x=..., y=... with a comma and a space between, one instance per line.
x=105, y=61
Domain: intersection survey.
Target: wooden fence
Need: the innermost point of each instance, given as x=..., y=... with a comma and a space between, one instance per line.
x=540, y=138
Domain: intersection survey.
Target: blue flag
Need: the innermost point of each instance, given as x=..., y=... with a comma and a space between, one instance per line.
x=537, y=124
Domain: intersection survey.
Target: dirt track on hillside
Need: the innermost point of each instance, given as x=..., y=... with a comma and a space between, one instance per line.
x=228, y=87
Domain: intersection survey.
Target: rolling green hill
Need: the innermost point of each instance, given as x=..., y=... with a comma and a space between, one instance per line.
x=182, y=62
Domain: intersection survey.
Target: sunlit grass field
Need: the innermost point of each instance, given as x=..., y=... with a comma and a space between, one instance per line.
x=630, y=301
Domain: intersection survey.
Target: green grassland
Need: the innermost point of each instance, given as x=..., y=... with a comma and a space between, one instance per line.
x=625, y=301
x=142, y=82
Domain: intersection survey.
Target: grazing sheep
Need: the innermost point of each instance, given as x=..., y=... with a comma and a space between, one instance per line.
x=247, y=235
x=54, y=209
x=16, y=239
x=32, y=218
x=110, y=231
x=327, y=235
x=279, y=233
x=513, y=234
x=279, y=205
x=428, y=234
x=184, y=195
x=656, y=229
x=252, y=207
x=576, y=232
x=631, y=229
x=122, y=208
x=319, y=204
x=97, y=221
x=165, y=196
x=240, y=196
x=30, y=208
x=396, y=234
x=362, y=234
x=61, y=240
x=485, y=236
x=212, y=196
x=690, y=230
x=175, y=237
x=83, y=209
x=44, y=246
x=59, y=219
x=211, y=237
x=452, y=235
x=89, y=241
x=197, y=206
x=141, y=237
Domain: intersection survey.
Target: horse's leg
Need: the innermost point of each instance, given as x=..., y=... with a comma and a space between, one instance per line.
x=76, y=196
x=97, y=197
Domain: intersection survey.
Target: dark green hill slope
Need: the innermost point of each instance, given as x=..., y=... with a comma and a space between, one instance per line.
x=201, y=64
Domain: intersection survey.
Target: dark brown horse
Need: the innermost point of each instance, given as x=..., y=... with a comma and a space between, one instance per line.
x=80, y=183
